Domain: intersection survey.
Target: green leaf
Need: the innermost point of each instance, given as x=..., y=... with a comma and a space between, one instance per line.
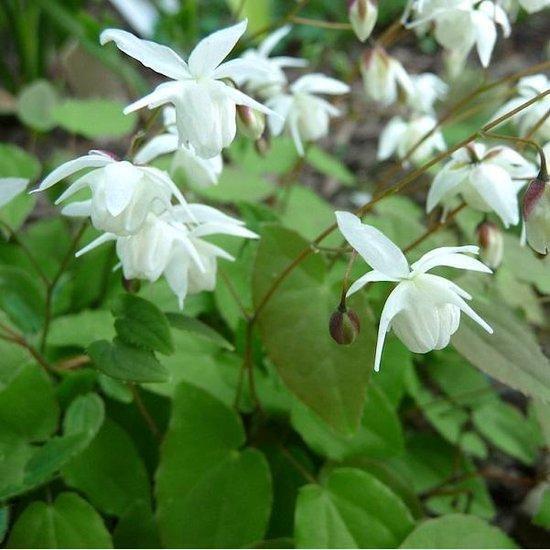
x=81, y=329
x=70, y=522
x=94, y=118
x=237, y=185
x=352, y=509
x=308, y=214
x=223, y=493
x=82, y=421
x=137, y=528
x=457, y=531
x=115, y=389
x=511, y=355
x=4, y=522
x=258, y=12
x=329, y=378
x=15, y=162
x=379, y=434
x=198, y=328
x=141, y=323
x=21, y=298
x=125, y=362
x=542, y=517
x=109, y=472
x=506, y=428
x=329, y=165
x=35, y=105
x=28, y=408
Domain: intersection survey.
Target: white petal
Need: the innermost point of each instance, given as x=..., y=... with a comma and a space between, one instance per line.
x=281, y=105
x=486, y=36
x=452, y=260
x=240, y=70
x=294, y=129
x=203, y=213
x=176, y=273
x=161, y=59
x=495, y=186
x=370, y=277
x=213, y=49
x=443, y=251
x=106, y=237
x=141, y=15
x=213, y=228
x=445, y=184
x=317, y=83
x=79, y=184
x=73, y=166
x=162, y=94
x=375, y=248
x=271, y=40
x=78, y=209
x=497, y=14
x=158, y=146
x=285, y=61
x=394, y=304
x=391, y=137
x=241, y=98
x=10, y=188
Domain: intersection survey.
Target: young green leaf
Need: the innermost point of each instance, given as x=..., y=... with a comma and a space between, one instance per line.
x=198, y=329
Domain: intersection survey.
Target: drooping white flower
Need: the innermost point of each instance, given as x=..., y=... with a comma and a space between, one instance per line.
x=401, y=136
x=122, y=194
x=527, y=119
x=304, y=115
x=205, y=104
x=10, y=188
x=485, y=179
x=462, y=24
x=423, y=309
x=270, y=80
x=173, y=245
x=142, y=15
x=427, y=88
x=363, y=15
x=384, y=78
x=198, y=171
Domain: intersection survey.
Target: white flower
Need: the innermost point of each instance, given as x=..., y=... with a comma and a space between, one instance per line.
x=205, y=105
x=423, y=309
x=427, y=88
x=384, y=78
x=122, y=194
x=462, y=24
x=528, y=88
x=173, y=245
x=302, y=113
x=142, y=15
x=10, y=188
x=485, y=179
x=400, y=136
x=198, y=171
x=536, y=213
x=363, y=15
x=270, y=79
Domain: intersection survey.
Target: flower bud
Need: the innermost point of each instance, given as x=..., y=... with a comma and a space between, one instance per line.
x=491, y=244
x=344, y=326
x=536, y=213
x=250, y=122
x=362, y=16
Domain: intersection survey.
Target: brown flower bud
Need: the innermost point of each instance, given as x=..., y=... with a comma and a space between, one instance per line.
x=344, y=326
x=250, y=122
x=131, y=285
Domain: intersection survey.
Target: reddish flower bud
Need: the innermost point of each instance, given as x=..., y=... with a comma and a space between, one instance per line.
x=344, y=326
x=536, y=213
x=131, y=285
x=491, y=244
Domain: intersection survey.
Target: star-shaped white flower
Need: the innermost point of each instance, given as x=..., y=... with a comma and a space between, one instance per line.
x=270, y=80
x=485, y=179
x=427, y=88
x=198, y=171
x=122, y=194
x=205, y=104
x=529, y=118
x=172, y=244
x=400, y=136
x=304, y=115
x=462, y=24
x=423, y=309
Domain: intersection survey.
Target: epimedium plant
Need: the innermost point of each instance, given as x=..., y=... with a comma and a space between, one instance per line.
x=248, y=384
